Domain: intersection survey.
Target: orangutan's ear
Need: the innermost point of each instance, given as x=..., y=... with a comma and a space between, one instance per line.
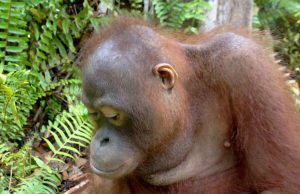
x=167, y=74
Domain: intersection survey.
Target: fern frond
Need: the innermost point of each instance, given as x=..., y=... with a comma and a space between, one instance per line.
x=19, y=90
x=62, y=82
x=55, y=32
x=40, y=182
x=176, y=13
x=13, y=33
x=17, y=162
x=7, y=93
x=20, y=164
x=4, y=181
x=70, y=132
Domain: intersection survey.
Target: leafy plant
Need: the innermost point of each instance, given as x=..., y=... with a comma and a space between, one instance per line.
x=16, y=162
x=20, y=164
x=13, y=35
x=280, y=16
x=178, y=14
x=18, y=92
x=71, y=132
x=37, y=46
x=42, y=181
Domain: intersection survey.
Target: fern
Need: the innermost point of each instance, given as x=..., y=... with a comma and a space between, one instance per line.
x=37, y=46
x=8, y=100
x=40, y=182
x=71, y=131
x=20, y=164
x=4, y=179
x=58, y=29
x=67, y=90
x=175, y=13
x=13, y=34
x=18, y=92
x=16, y=162
x=61, y=83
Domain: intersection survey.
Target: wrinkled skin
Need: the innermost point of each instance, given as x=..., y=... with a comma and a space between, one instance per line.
x=167, y=113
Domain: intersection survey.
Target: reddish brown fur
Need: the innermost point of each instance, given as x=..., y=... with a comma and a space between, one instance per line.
x=266, y=128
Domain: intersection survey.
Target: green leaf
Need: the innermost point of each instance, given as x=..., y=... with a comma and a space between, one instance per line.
x=41, y=164
x=70, y=42
x=14, y=49
x=4, y=6
x=55, y=159
x=65, y=25
x=51, y=146
x=57, y=139
x=3, y=35
x=17, y=5
x=60, y=47
x=17, y=31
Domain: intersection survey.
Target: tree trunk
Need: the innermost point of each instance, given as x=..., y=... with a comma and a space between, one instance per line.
x=237, y=13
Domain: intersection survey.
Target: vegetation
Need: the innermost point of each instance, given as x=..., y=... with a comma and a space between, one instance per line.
x=280, y=17
x=38, y=89
x=44, y=127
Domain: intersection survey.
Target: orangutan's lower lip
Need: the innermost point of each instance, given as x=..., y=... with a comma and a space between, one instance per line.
x=109, y=171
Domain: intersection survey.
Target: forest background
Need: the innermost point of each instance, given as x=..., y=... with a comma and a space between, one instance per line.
x=44, y=127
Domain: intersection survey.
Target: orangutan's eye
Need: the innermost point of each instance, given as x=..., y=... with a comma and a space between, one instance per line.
x=113, y=115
